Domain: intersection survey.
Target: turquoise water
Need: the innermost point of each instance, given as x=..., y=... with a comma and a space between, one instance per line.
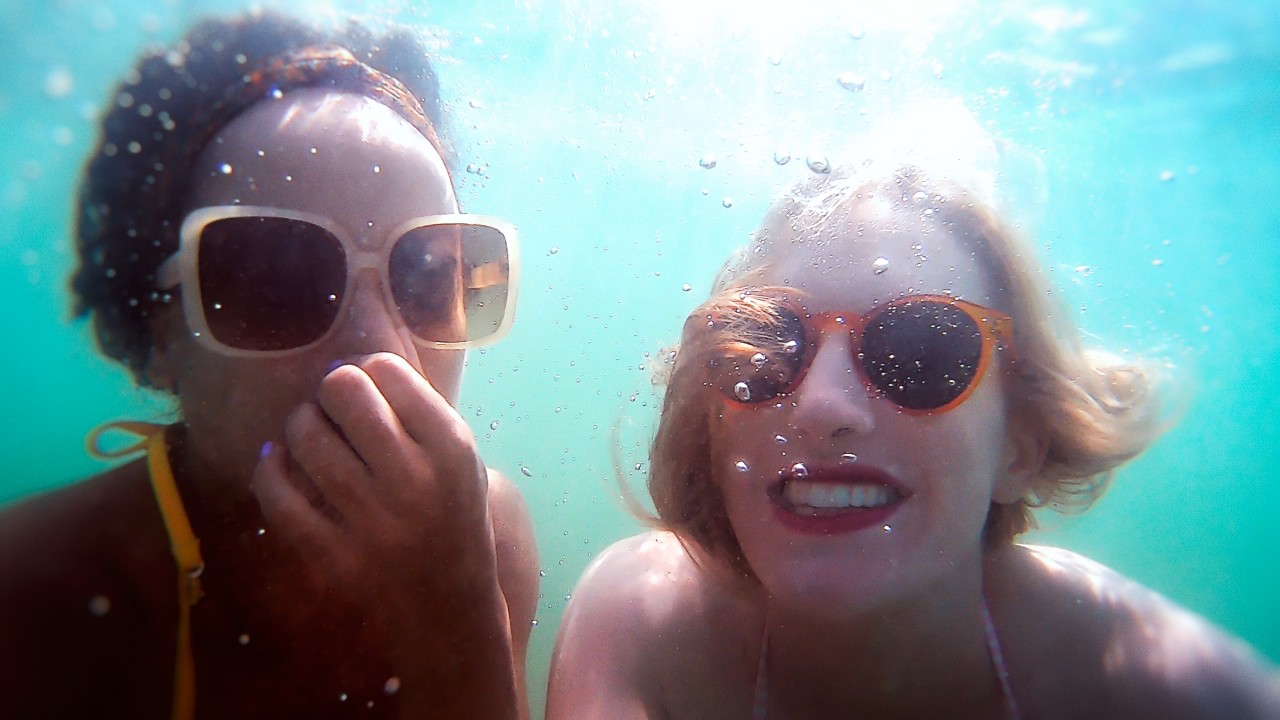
x=1150, y=151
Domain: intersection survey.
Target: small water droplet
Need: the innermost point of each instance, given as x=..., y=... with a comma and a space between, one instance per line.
x=759, y=360
x=775, y=58
x=99, y=605
x=225, y=168
x=1167, y=176
x=553, y=250
x=494, y=425
x=818, y=164
x=534, y=622
x=887, y=528
x=800, y=470
x=377, y=169
x=686, y=287
x=707, y=162
x=524, y=470
x=851, y=81
x=392, y=685
x=790, y=347
x=879, y=265
x=475, y=103
x=857, y=32
x=741, y=466
x=780, y=439
x=333, y=298
x=920, y=198
x=781, y=157
x=848, y=458
x=244, y=638
x=314, y=151
x=262, y=531
x=742, y=391
x=727, y=202
x=342, y=697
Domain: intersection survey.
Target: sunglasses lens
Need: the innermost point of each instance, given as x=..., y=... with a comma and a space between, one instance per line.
x=922, y=355
x=762, y=355
x=451, y=282
x=269, y=283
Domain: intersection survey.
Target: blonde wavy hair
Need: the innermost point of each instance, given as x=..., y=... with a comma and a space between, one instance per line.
x=1093, y=410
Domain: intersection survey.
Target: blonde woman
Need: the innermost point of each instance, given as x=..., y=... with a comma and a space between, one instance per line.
x=855, y=428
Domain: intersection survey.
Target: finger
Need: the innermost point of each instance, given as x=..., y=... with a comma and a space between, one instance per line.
x=423, y=412
x=354, y=403
x=286, y=509
x=322, y=454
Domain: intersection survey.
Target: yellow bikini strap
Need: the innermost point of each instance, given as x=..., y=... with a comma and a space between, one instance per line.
x=182, y=543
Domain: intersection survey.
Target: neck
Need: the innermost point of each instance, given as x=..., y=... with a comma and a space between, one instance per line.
x=922, y=655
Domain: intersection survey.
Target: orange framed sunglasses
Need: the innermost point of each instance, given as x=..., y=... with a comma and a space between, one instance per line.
x=925, y=353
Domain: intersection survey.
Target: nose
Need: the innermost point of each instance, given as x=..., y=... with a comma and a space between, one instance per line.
x=831, y=401
x=369, y=324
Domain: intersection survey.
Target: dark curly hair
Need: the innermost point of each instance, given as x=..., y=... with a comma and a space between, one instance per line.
x=170, y=106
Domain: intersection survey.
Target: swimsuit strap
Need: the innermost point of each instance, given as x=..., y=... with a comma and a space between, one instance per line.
x=182, y=543
x=1012, y=711
x=760, y=702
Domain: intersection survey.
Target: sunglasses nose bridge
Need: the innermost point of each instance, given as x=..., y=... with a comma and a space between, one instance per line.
x=832, y=399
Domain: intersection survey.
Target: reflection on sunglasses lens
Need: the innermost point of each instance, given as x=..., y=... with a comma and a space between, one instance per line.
x=921, y=355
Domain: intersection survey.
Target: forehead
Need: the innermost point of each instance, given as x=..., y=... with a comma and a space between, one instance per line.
x=343, y=156
x=871, y=250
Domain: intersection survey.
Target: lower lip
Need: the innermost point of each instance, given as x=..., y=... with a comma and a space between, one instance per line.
x=835, y=523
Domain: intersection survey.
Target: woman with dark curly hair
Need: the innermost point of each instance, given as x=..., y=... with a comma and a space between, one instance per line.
x=269, y=231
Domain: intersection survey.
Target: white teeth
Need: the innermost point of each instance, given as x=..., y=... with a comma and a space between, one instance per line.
x=805, y=493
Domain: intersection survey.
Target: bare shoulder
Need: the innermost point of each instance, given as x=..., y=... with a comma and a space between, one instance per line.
x=653, y=632
x=1145, y=655
x=84, y=573
x=517, y=551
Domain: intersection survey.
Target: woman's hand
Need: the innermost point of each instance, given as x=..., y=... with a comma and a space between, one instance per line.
x=381, y=490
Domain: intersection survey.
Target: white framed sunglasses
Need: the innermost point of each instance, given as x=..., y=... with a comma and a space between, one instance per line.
x=264, y=281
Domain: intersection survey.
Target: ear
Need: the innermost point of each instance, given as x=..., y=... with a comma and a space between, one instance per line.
x=1025, y=449
x=160, y=370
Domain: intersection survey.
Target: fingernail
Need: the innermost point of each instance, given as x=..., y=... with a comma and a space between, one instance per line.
x=266, y=449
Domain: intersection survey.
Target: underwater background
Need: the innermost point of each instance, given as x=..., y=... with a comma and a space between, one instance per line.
x=636, y=144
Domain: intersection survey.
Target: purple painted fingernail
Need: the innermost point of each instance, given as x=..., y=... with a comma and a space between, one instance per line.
x=266, y=449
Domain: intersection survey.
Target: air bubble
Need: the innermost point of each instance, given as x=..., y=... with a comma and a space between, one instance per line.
x=59, y=83
x=742, y=391
x=741, y=466
x=553, y=250
x=494, y=425
x=686, y=287
x=781, y=157
x=848, y=458
x=818, y=164
x=99, y=605
x=707, y=162
x=800, y=470
x=879, y=265
x=392, y=685
x=244, y=638
x=851, y=81
x=524, y=470
x=780, y=439
x=727, y=202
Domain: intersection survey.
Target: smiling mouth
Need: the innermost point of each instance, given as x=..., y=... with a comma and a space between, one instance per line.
x=835, y=491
